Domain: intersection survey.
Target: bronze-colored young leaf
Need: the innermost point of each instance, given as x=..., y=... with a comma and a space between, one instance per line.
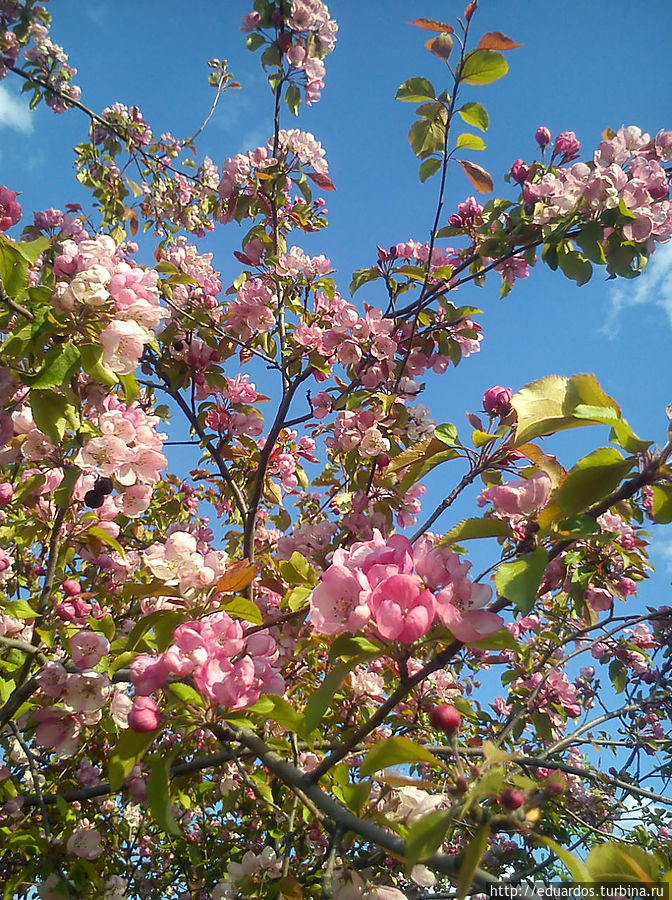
x=478, y=176
x=432, y=25
x=495, y=40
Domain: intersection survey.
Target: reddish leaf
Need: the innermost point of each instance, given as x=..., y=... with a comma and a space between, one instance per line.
x=440, y=46
x=480, y=179
x=237, y=576
x=431, y=25
x=495, y=40
x=322, y=181
x=470, y=10
x=241, y=257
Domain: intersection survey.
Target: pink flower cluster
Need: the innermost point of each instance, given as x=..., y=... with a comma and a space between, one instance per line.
x=10, y=211
x=177, y=561
x=227, y=668
x=129, y=449
x=396, y=592
x=626, y=168
x=99, y=288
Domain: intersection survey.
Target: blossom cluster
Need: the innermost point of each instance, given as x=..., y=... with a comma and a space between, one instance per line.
x=396, y=591
x=24, y=25
x=627, y=168
x=227, y=668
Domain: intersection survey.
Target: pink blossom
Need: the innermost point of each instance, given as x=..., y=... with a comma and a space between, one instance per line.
x=402, y=610
x=567, y=146
x=85, y=842
x=87, y=648
x=57, y=730
x=519, y=497
x=10, y=211
x=144, y=715
x=337, y=603
x=599, y=599
x=6, y=493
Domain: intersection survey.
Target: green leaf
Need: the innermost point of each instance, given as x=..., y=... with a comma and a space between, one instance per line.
x=547, y=406
x=168, y=618
x=574, y=265
x=293, y=99
x=483, y=67
x=32, y=250
x=469, y=529
x=101, y=535
x=297, y=570
x=128, y=751
x=20, y=609
x=254, y=41
x=519, y=580
x=501, y=640
x=618, y=675
x=13, y=269
x=92, y=355
x=470, y=141
x=319, y=702
x=158, y=795
x=578, y=869
x=63, y=493
x=418, y=460
x=285, y=715
x=131, y=388
x=475, y=115
x=242, y=608
x=362, y=276
x=348, y=646
x=427, y=136
x=395, y=751
x=416, y=90
x=662, y=503
x=48, y=410
x=471, y=858
x=592, y=479
x=60, y=363
x=446, y=433
x=428, y=168
x=590, y=241
x=613, y=861
x=426, y=836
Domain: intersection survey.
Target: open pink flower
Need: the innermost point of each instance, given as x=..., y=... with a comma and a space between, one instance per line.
x=87, y=648
x=402, y=610
x=519, y=498
x=472, y=625
x=336, y=604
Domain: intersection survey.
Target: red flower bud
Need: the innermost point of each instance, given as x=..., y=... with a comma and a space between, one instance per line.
x=519, y=171
x=446, y=718
x=543, y=136
x=71, y=587
x=497, y=401
x=6, y=493
x=145, y=715
x=512, y=799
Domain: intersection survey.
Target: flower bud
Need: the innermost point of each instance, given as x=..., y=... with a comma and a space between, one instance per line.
x=446, y=718
x=543, y=136
x=144, y=715
x=519, y=171
x=71, y=587
x=6, y=493
x=512, y=798
x=497, y=401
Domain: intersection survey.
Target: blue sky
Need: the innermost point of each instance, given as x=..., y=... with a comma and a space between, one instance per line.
x=583, y=66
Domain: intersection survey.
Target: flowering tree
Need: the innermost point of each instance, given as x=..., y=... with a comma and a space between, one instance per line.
x=286, y=704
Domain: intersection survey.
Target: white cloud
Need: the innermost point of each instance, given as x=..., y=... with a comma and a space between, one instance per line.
x=653, y=288
x=14, y=112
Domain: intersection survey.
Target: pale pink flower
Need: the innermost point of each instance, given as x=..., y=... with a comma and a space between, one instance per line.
x=87, y=648
x=85, y=842
x=57, y=729
x=520, y=497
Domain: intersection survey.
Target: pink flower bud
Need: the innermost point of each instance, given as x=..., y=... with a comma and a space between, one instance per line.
x=6, y=493
x=567, y=145
x=71, y=587
x=519, y=171
x=144, y=715
x=543, y=136
x=497, y=400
